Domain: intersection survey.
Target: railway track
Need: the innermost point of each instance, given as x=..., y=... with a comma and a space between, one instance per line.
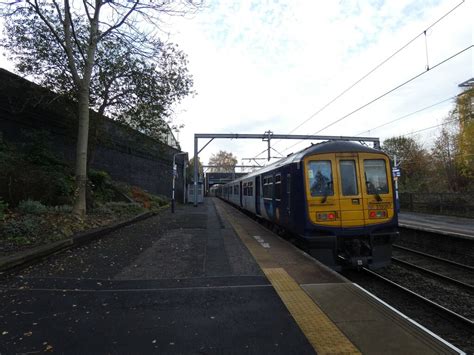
x=449, y=271
x=439, y=308
x=446, y=323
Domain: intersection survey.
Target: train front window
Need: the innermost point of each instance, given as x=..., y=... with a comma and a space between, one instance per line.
x=348, y=177
x=375, y=176
x=320, y=178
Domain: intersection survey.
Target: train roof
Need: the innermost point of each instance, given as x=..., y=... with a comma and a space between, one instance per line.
x=319, y=148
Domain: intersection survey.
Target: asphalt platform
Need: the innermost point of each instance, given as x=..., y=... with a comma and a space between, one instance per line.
x=180, y=283
x=448, y=225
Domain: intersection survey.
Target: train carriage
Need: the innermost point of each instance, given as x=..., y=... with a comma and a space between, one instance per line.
x=337, y=197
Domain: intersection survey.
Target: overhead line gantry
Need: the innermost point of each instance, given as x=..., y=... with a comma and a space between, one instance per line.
x=267, y=137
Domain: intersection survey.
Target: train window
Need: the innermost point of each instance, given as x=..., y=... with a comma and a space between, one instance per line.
x=250, y=188
x=320, y=178
x=236, y=189
x=267, y=186
x=348, y=177
x=278, y=187
x=375, y=176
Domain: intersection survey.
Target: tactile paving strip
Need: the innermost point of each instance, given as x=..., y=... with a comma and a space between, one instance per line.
x=323, y=335
x=321, y=332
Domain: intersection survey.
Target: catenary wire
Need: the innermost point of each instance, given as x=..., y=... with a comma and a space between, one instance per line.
x=407, y=115
x=386, y=93
x=373, y=70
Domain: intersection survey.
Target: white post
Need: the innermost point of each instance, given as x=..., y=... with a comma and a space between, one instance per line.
x=196, y=167
x=175, y=173
x=174, y=183
x=397, y=202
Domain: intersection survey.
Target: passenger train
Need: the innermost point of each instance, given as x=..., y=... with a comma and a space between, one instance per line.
x=336, y=197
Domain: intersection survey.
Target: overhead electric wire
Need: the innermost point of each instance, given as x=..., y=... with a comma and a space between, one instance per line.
x=407, y=115
x=386, y=93
x=370, y=72
x=427, y=128
x=377, y=66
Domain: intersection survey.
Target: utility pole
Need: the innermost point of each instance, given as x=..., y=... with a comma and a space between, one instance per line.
x=175, y=174
x=268, y=139
x=397, y=202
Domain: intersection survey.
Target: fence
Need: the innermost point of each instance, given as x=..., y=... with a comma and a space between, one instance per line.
x=455, y=204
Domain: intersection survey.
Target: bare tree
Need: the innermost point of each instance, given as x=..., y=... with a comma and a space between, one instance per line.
x=78, y=28
x=224, y=162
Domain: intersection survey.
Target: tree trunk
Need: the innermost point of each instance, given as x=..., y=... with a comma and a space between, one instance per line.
x=81, y=152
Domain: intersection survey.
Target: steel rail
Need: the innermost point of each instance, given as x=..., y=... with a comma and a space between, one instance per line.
x=467, y=267
x=434, y=274
x=444, y=310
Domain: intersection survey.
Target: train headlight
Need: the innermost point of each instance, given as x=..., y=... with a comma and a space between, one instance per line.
x=326, y=216
x=377, y=214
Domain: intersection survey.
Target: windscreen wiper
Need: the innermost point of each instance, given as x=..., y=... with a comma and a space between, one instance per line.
x=326, y=193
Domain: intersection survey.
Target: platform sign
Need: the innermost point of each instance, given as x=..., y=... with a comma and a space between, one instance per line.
x=396, y=172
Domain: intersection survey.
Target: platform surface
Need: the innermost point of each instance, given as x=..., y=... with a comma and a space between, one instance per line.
x=457, y=226
x=205, y=280
x=369, y=325
x=172, y=284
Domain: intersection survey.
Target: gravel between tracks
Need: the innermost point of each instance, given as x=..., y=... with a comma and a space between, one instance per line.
x=438, y=291
x=453, y=332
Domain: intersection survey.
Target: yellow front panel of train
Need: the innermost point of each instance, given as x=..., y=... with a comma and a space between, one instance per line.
x=348, y=189
x=322, y=199
x=378, y=191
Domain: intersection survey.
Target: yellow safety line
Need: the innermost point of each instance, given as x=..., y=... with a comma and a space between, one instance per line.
x=321, y=332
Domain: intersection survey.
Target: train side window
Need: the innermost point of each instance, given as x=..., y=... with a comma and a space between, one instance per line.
x=236, y=189
x=320, y=178
x=250, y=188
x=278, y=187
x=267, y=186
x=348, y=177
x=375, y=176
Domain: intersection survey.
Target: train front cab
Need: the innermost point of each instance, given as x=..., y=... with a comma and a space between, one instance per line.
x=351, y=209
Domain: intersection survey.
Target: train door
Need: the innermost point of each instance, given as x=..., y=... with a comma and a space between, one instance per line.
x=257, y=195
x=350, y=190
x=377, y=192
x=288, y=197
x=240, y=194
x=321, y=190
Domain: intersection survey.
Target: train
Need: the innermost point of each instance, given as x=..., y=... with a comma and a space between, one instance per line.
x=336, y=198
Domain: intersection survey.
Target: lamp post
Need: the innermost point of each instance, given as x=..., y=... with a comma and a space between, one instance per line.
x=175, y=173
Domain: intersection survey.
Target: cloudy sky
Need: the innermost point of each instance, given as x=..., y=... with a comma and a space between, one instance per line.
x=270, y=65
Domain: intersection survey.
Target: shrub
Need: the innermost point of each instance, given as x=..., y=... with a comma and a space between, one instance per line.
x=31, y=171
x=3, y=208
x=123, y=208
x=32, y=207
x=60, y=209
x=103, y=210
x=21, y=230
x=98, y=178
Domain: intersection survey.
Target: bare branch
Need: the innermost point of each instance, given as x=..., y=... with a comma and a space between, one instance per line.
x=74, y=36
x=68, y=47
x=122, y=21
x=86, y=7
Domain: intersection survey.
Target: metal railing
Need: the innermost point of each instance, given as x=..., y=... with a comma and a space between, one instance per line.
x=454, y=204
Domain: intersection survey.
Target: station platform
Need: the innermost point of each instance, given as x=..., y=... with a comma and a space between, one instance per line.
x=447, y=225
x=204, y=280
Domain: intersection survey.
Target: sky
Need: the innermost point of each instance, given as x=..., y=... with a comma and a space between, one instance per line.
x=271, y=65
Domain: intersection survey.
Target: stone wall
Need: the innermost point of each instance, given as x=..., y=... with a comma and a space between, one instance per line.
x=127, y=155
